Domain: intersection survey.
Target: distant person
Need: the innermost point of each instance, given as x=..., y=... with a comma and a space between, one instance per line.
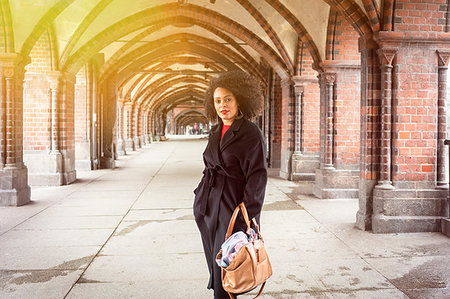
x=235, y=164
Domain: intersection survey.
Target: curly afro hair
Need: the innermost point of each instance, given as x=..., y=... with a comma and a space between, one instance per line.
x=245, y=88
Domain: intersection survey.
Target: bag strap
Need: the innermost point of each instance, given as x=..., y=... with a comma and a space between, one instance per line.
x=241, y=206
x=259, y=293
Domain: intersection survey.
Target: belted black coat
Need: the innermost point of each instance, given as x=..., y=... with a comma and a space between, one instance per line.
x=235, y=172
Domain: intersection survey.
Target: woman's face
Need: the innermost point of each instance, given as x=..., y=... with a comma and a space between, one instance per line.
x=226, y=105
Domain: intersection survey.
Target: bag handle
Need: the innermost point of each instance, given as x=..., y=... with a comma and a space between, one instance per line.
x=243, y=209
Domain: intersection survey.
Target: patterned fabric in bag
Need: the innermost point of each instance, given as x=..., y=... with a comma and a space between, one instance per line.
x=231, y=247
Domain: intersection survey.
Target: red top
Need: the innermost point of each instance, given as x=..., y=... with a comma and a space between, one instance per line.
x=224, y=129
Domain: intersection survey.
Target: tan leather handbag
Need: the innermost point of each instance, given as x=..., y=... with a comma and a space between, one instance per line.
x=251, y=266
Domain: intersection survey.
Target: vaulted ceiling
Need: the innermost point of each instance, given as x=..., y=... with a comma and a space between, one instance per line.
x=159, y=51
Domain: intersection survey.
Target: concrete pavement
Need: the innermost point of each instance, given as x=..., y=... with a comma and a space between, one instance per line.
x=130, y=233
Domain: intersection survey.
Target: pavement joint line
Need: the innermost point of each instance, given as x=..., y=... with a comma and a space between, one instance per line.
x=64, y=196
x=340, y=239
x=115, y=229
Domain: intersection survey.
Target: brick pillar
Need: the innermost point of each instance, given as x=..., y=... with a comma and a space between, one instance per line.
x=61, y=163
x=338, y=176
x=413, y=204
x=136, y=118
x=120, y=127
x=370, y=130
x=304, y=162
x=275, y=123
x=14, y=189
x=287, y=127
x=129, y=142
x=83, y=122
x=145, y=126
x=109, y=102
x=148, y=125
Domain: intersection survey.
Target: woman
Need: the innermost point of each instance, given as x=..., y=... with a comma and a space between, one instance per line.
x=235, y=164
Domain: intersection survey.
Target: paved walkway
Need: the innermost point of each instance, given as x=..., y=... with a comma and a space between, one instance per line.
x=130, y=233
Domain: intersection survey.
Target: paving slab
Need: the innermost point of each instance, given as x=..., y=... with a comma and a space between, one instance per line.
x=130, y=233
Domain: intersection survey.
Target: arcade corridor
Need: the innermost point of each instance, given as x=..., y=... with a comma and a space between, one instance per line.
x=130, y=233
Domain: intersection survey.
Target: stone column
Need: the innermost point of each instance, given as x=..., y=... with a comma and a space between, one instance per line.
x=329, y=79
x=129, y=142
x=109, y=112
x=338, y=175
x=14, y=189
x=137, y=131
x=304, y=164
x=287, y=127
x=120, y=134
x=60, y=167
x=442, y=153
x=386, y=58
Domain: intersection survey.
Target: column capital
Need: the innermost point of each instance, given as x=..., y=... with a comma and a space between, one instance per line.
x=443, y=57
x=386, y=55
x=286, y=82
x=329, y=77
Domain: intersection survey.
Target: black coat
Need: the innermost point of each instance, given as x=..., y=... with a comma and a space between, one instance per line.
x=235, y=171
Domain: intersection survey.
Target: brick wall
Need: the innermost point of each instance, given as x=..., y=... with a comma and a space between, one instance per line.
x=276, y=111
x=420, y=15
x=36, y=98
x=311, y=118
x=81, y=107
x=311, y=104
x=347, y=117
x=345, y=46
x=67, y=113
x=415, y=115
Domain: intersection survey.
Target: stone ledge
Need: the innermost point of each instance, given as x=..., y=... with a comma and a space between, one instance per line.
x=445, y=227
x=382, y=224
x=335, y=193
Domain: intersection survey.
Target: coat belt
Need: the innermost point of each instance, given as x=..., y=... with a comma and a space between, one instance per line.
x=211, y=175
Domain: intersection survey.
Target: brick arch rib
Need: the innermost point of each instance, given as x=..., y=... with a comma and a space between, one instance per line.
x=299, y=28
x=269, y=31
x=372, y=11
x=331, y=34
x=82, y=28
x=388, y=15
x=53, y=47
x=143, y=18
x=150, y=91
x=117, y=56
x=166, y=83
x=171, y=98
x=354, y=15
x=8, y=33
x=42, y=25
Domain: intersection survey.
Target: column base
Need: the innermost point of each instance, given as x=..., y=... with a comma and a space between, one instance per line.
x=407, y=210
x=137, y=142
x=121, y=147
x=304, y=166
x=83, y=156
x=363, y=221
x=286, y=165
x=129, y=145
x=333, y=183
x=107, y=163
x=46, y=169
x=14, y=189
x=275, y=155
